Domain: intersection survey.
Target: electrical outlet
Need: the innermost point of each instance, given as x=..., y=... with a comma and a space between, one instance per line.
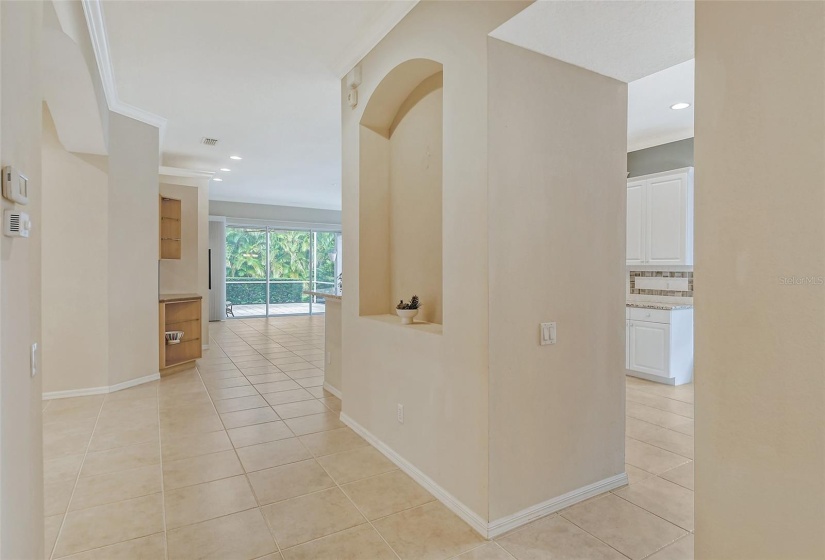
x=400, y=413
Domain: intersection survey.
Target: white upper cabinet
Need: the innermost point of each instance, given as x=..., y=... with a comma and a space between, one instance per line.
x=660, y=218
x=636, y=222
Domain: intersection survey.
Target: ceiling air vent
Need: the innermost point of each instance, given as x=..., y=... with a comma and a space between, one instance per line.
x=209, y=141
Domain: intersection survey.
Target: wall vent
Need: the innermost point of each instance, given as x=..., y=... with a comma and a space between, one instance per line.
x=209, y=141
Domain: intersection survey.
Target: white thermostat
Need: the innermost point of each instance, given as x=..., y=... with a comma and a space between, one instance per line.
x=16, y=224
x=15, y=185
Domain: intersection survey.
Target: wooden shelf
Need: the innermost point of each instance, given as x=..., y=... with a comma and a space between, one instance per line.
x=180, y=315
x=170, y=228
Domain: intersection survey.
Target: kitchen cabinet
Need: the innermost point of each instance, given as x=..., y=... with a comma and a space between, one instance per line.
x=660, y=345
x=649, y=347
x=660, y=218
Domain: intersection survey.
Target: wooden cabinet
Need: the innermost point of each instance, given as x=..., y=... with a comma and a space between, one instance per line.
x=181, y=312
x=170, y=228
x=660, y=218
x=660, y=345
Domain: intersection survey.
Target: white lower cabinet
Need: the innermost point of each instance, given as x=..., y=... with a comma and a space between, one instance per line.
x=660, y=345
x=649, y=347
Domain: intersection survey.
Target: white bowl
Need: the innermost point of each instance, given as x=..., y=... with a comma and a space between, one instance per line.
x=173, y=337
x=407, y=315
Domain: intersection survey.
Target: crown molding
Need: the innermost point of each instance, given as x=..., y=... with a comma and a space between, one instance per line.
x=378, y=28
x=93, y=10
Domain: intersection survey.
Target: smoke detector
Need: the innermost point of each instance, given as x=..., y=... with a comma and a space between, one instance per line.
x=209, y=141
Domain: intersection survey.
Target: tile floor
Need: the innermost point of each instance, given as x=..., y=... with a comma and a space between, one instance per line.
x=244, y=458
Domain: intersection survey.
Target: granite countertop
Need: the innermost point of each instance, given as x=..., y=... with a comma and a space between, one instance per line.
x=167, y=298
x=658, y=305
x=325, y=295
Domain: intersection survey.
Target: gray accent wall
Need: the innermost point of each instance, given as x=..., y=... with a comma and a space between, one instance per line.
x=665, y=157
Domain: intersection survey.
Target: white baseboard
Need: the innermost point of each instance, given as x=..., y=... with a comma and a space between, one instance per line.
x=75, y=393
x=100, y=390
x=510, y=522
x=499, y=526
x=134, y=382
x=333, y=390
x=469, y=516
x=651, y=377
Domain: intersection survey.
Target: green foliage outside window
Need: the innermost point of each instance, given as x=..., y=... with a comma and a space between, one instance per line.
x=290, y=256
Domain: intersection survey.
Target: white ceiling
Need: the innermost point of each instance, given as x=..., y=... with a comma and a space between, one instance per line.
x=650, y=120
x=261, y=77
x=647, y=43
x=625, y=40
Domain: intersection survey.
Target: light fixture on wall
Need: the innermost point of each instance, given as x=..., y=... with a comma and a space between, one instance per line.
x=353, y=81
x=235, y=157
x=680, y=106
x=225, y=169
x=217, y=179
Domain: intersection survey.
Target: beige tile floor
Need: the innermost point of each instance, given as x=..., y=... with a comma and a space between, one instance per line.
x=244, y=457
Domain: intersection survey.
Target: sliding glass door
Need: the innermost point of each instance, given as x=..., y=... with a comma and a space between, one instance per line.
x=289, y=271
x=327, y=264
x=246, y=285
x=268, y=269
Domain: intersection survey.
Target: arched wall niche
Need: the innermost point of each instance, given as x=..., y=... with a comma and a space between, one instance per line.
x=400, y=194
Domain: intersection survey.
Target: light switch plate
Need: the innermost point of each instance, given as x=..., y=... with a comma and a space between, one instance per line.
x=33, y=361
x=547, y=333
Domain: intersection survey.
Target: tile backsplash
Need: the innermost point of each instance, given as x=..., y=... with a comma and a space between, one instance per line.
x=633, y=290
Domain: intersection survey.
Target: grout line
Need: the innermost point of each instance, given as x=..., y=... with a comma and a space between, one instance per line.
x=77, y=478
x=86, y=552
x=654, y=514
x=592, y=535
x=660, y=409
x=162, y=484
x=687, y=459
x=340, y=489
x=235, y=450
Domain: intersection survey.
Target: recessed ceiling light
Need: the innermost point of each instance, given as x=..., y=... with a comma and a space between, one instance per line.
x=679, y=106
x=235, y=157
x=217, y=179
x=225, y=169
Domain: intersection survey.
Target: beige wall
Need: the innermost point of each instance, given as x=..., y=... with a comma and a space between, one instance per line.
x=203, y=258
x=133, y=249
x=440, y=378
x=415, y=201
x=21, y=449
x=189, y=274
x=75, y=256
x=557, y=163
x=760, y=344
